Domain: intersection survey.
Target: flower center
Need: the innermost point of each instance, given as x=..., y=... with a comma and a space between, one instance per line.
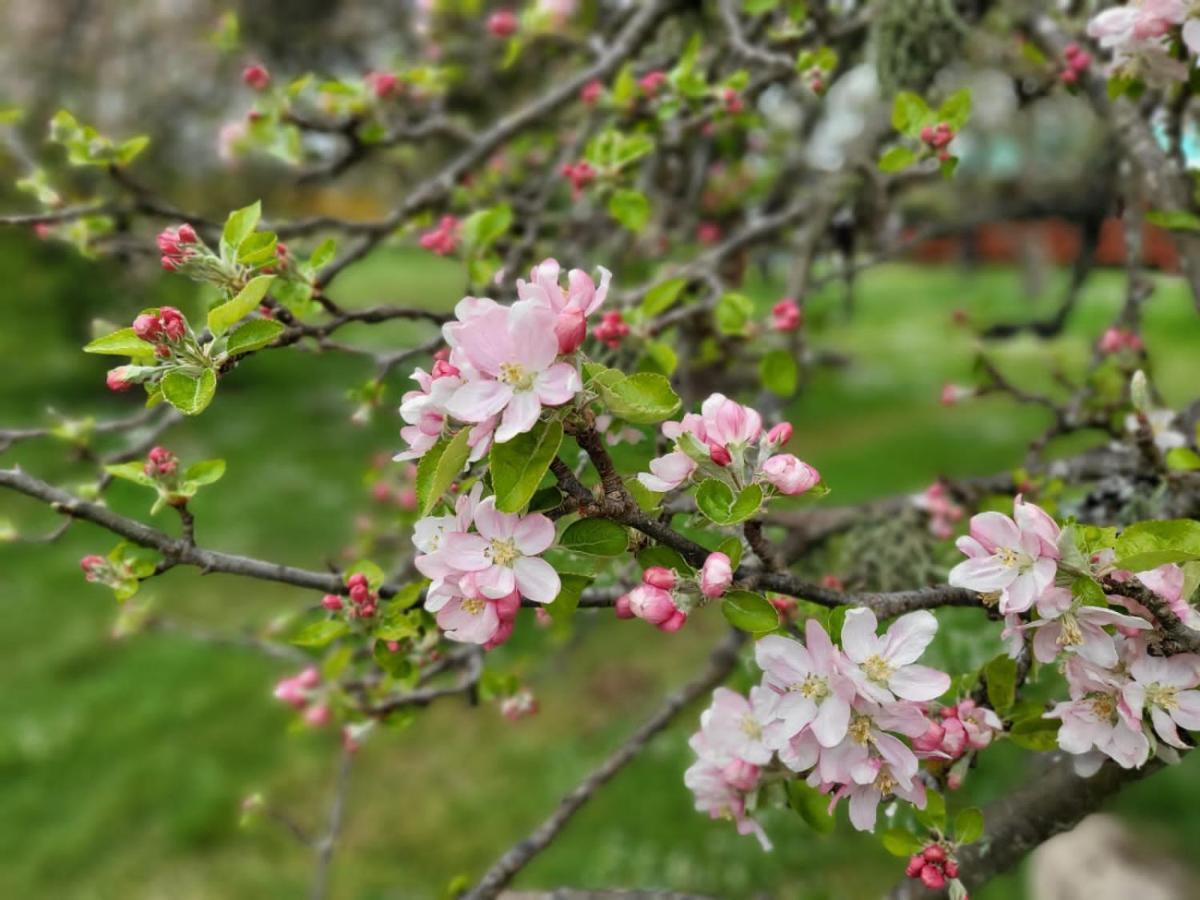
x=1009, y=558
x=885, y=782
x=1103, y=706
x=860, y=730
x=473, y=606
x=751, y=728
x=1071, y=634
x=516, y=375
x=1162, y=695
x=989, y=598
x=877, y=668
x=813, y=687
x=504, y=552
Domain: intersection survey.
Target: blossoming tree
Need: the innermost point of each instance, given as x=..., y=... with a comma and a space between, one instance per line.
x=660, y=148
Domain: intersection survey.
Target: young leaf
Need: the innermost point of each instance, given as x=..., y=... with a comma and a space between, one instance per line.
x=119, y=343
x=319, y=634
x=643, y=399
x=253, y=335
x=630, y=208
x=564, y=605
x=956, y=109
x=779, y=373
x=662, y=296
x=1001, y=677
x=934, y=813
x=750, y=612
x=1147, y=545
x=206, y=472
x=518, y=465
x=597, y=537
x=221, y=318
x=968, y=826
x=239, y=225
x=897, y=159
x=900, y=842
x=190, y=394
x=131, y=471
x=439, y=467
x=909, y=113
x=715, y=499
x=732, y=313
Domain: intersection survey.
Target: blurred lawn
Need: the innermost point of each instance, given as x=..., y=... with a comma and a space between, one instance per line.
x=122, y=764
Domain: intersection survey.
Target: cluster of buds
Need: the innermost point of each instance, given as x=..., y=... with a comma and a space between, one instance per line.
x=167, y=330
x=98, y=570
x=963, y=727
x=651, y=82
x=611, y=330
x=382, y=84
x=160, y=463
x=300, y=692
x=362, y=598
x=732, y=101
x=256, y=76
x=786, y=315
x=933, y=866
x=1115, y=340
x=1077, y=62
x=664, y=599
x=943, y=512
x=591, y=92
x=519, y=705
x=937, y=138
x=580, y=174
x=442, y=240
x=502, y=23
x=175, y=244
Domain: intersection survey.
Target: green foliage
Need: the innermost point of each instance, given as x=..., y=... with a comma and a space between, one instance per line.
x=1001, y=677
x=519, y=465
x=643, y=398
x=968, y=825
x=87, y=147
x=187, y=392
x=595, y=537
x=812, y=805
x=716, y=500
x=750, y=612
x=253, y=335
x=439, y=467
x=223, y=317
x=631, y=208
x=733, y=313
x=1146, y=545
x=779, y=372
x=662, y=296
x=320, y=634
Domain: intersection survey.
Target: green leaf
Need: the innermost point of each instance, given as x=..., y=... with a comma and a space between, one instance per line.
x=750, y=612
x=206, y=472
x=899, y=842
x=1001, y=677
x=909, y=113
x=320, y=634
x=238, y=227
x=779, y=373
x=119, y=343
x=968, y=825
x=934, y=813
x=439, y=467
x=131, y=471
x=662, y=296
x=395, y=664
x=1173, y=219
x=1147, y=545
x=956, y=109
x=897, y=159
x=190, y=394
x=660, y=357
x=733, y=312
x=715, y=499
x=597, y=537
x=631, y=208
x=130, y=149
x=643, y=399
x=518, y=465
x=732, y=547
x=257, y=249
x=1183, y=459
x=481, y=229
x=564, y=605
x=662, y=555
x=368, y=570
x=812, y=805
x=324, y=254
x=1037, y=734
x=221, y=318
x=253, y=335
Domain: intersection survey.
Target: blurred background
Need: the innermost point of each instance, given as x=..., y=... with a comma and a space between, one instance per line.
x=125, y=758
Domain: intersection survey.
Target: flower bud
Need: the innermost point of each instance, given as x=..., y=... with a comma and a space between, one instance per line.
x=355, y=579
x=740, y=775
x=720, y=455
x=570, y=328
x=256, y=76
x=659, y=577
x=591, y=92
x=934, y=853
x=932, y=878
x=317, y=715
x=92, y=566
x=147, y=327
x=674, y=622
x=116, y=379
x=931, y=740
x=950, y=868
x=309, y=678
x=186, y=234
x=790, y=475
x=332, y=602
x=716, y=575
x=507, y=607
x=780, y=434
x=651, y=603
x=622, y=607
x=174, y=325
x=382, y=84
x=502, y=23
x=914, y=867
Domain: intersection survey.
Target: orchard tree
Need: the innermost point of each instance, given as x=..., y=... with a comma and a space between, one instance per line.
x=648, y=156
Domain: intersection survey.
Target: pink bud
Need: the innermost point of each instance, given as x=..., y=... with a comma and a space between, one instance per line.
x=92, y=565
x=790, y=475
x=780, y=434
x=503, y=632
x=309, y=678
x=116, y=379
x=716, y=575
x=927, y=135
x=1070, y=50
x=622, y=607
x=931, y=740
x=914, y=867
x=356, y=579
x=934, y=853
x=174, y=325
x=674, y=622
x=360, y=593
x=507, y=607
x=570, y=328
x=147, y=327
x=651, y=603
x=932, y=878
x=740, y=775
x=256, y=76
x=382, y=84
x=332, y=602
x=591, y=92
x=502, y=23
x=950, y=868
x=443, y=369
x=651, y=82
x=1068, y=76
x=720, y=455
x=169, y=264
x=317, y=715
x=659, y=577
x=186, y=234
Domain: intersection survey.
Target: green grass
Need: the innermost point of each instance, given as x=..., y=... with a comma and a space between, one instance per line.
x=122, y=763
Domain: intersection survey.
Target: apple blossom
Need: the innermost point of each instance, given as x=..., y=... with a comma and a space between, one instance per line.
x=1092, y=721
x=812, y=686
x=716, y=575
x=442, y=240
x=1068, y=625
x=786, y=315
x=1161, y=423
x=570, y=307
x=1164, y=687
x=884, y=666
x=1016, y=557
x=789, y=475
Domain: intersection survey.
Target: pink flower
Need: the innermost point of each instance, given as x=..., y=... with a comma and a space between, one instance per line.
x=943, y=512
x=981, y=723
x=513, y=350
x=732, y=725
x=1164, y=687
x=813, y=691
x=716, y=575
x=570, y=307
x=865, y=795
x=884, y=665
x=1017, y=558
x=1092, y=721
x=789, y=475
x=1066, y=625
x=1168, y=582
x=786, y=315
x=667, y=472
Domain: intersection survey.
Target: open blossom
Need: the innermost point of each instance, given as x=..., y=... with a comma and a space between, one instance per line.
x=1092, y=723
x=1166, y=689
x=1067, y=625
x=572, y=306
x=1168, y=582
x=511, y=353
x=1161, y=423
x=812, y=688
x=884, y=666
x=1017, y=557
